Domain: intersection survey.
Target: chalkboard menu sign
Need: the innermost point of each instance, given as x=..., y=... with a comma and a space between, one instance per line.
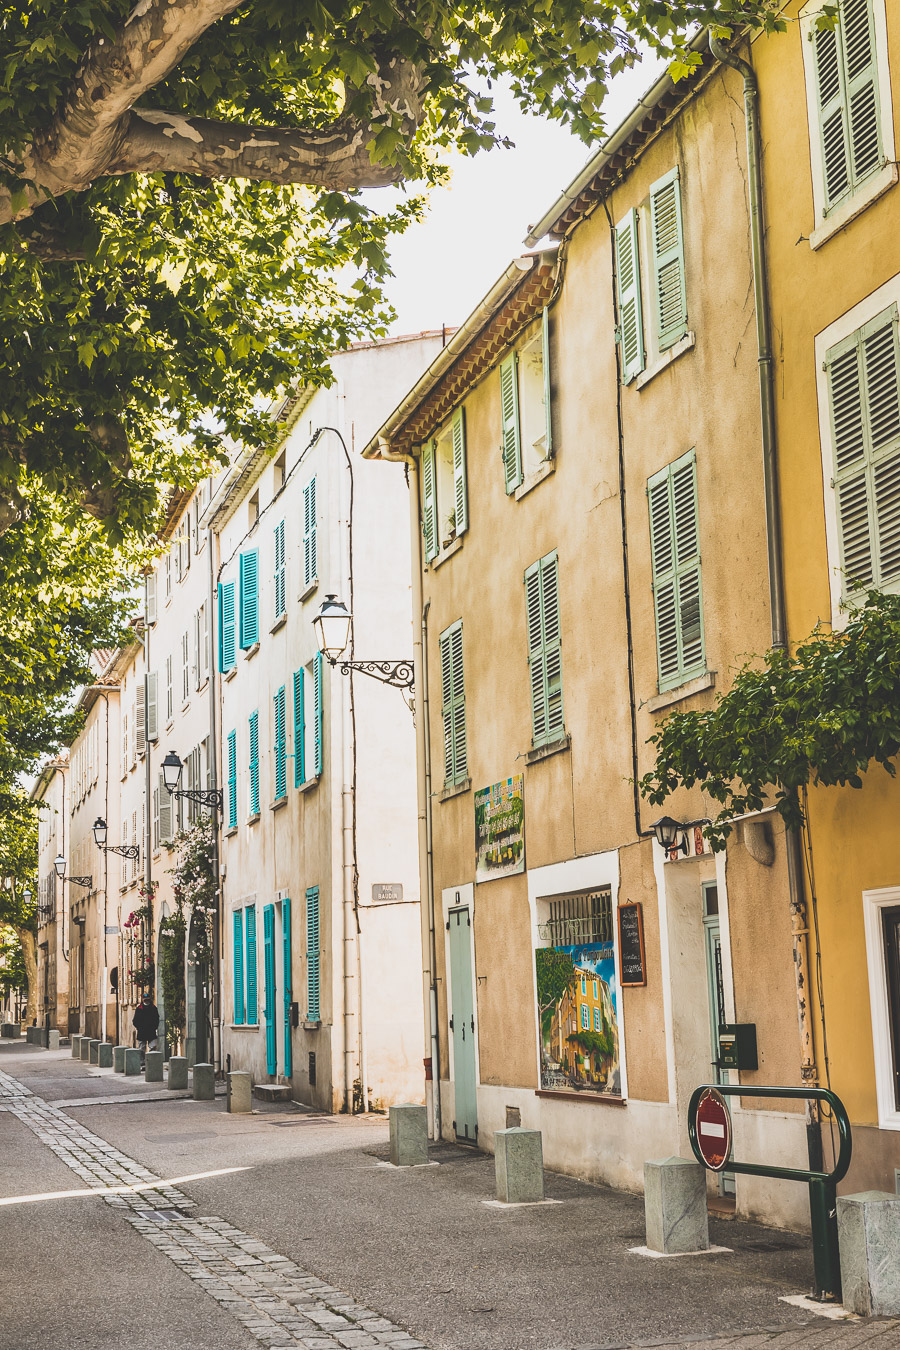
x=632, y=966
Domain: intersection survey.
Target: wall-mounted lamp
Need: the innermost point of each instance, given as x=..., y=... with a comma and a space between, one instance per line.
x=172, y=767
x=59, y=864
x=332, y=625
x=667, y=831
x=124, y=850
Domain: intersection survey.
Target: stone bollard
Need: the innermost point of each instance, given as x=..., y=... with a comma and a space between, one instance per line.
x=204, y=1082
x=105, y=1055
x=94, y=1051
x=675, y=1206
x=52, y=1039
x=119, y=1058
x=29, y=1035
x=178, y=1073
x=409, y=1135
x=869, y=1241
x=132, y=1062
x=519, y=1166
x=239, y=1092
x=153, y=1067
x=84, y=1048
x=76, y=1047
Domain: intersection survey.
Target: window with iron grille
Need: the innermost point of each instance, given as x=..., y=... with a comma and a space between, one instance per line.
x=579, y=920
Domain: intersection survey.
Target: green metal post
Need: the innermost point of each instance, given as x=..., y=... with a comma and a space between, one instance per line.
x=826, y=1256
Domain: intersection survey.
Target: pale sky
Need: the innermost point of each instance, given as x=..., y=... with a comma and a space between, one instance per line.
x=475, y=227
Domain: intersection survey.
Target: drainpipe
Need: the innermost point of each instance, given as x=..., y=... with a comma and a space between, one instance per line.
x=765, y=362
x=423, y=787
x=218, y=972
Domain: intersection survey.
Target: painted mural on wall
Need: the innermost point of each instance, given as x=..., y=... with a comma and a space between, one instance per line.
x=500, y=829
x=578, y=995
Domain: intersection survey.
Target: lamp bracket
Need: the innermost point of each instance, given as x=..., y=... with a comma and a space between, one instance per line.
x=80, y=881
x=124, y=850
x=399, y=674
x=211, y=798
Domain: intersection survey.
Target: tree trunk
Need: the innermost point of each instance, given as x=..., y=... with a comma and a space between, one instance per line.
x=28, y=943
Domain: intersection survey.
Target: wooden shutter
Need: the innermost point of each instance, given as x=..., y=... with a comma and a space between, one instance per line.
x=280, y=746
x=204, y=641
x=454, y=705
x=140, y=720
x=250, y=929
x=544, y=649
x=155, y=823
x=675, y=558
x=269, y=987
x=166, y=814
x=429, y=502
x=864, y=399
x=151, y=602
x=280, y=588
x=249, y=575
x=310, y=558
x=312, y=954
x=151, y=726
x=667, y=242
x=287, y=984
x=317, y=712
x=185, y=667
x=545, y=365
x=460, y=485
x=628, y=297
x=254, y=764
x=232, y=779
x=239, y=967
x=227, y=653
x=299, y=731
x=847, y=98
x=510, y=431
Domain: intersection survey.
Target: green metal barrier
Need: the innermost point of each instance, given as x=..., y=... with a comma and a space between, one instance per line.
x=822, y=1185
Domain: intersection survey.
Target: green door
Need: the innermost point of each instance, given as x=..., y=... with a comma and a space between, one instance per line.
x=462, y=1024
x=716, y=987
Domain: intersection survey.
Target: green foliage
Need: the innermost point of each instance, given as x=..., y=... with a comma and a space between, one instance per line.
x=821, y=716
x=13, y=974
x=171, y=973
x=18, y=864
x=555, y=972
x=592, y=1042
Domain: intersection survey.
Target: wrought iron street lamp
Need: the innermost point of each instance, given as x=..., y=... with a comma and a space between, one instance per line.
x=123, y=850
x=172, y=768
x=59, y=863
x=667, y=831
x=332, y=625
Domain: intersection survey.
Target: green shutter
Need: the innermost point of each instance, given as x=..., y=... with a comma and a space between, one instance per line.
x=628, y=296
x=544, y=649
x=254, y=764
x=429, y=503
x=667, y=242
x=545, y=365
x=675, y=558
x=317, y=712
x=310, y=555
x=239, y=967
x=280, y=745
x=249, y=574
x=510, y=431
x=252, y=1005
x=287, y=984
x=299, y=731
x=453, y=705
x=232, y=780
x=226, y=627
x=280, y=580
x=312, y=954
x=864, y=400
x=460, y=485
x=847, y=100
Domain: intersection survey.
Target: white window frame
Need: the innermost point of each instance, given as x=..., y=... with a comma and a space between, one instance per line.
x=874, y=304
x=827, y=224
x=873, y=903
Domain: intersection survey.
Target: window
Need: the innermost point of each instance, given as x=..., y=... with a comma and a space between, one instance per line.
x=598, y=1023
x=279, y=473
x=170, y=690
x=544, y=654
x=227, y=653
x=310, y=560
x=312, y=954
x=253, y=509
x=150, y=598
x=675, y=557
x=525, y=411
x=168, y=572
x=166, y=814
x=584, y=985
x=585, y=1017
x=152, y=720
x=140, y=720
x=659, y=294
x=280, y=745
x=250, y=950
x=253, y=804
x=863, y=373
x=280, y=589
x=454, y=705
x=194, y=781
x=238, y=983
x=184, y=547
x=596, y=990
x=317, y=712
x=445, y=497
x=232, y=780
x=881, y=913
x=185, y=667
x=249, y=611
x=299, y=729
x=890, y=928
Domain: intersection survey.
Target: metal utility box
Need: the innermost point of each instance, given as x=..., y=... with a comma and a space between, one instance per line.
x=737, y=1046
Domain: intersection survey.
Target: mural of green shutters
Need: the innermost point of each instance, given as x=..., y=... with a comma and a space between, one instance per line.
x=544, y=649
x=310, y=553
x=317, y=712
x=460, y=485
x=238, y=921
x=232, y=780
x=847, y=99
x=510, y=430
x=677, y=588
x=299, y=731
x=667, y=246
x=453, y=705
x=628, y=295
x=227, y=652
x=280, y=745
x=312, y=954
x=250, y=928
x=254, y=764
x=280, y=577
x=249, y=577
x=864, y=400
x=429, y=501
x=287, y=984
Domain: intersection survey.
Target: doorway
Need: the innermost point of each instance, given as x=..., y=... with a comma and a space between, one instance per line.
x=462, y=1024
x=277, y=988
x=715, y=984
x=198, y=1025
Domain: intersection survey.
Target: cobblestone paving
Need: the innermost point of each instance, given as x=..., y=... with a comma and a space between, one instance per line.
x=277, y=1301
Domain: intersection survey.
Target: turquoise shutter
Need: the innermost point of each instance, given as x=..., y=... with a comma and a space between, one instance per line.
x=280, y=586
x=864, y=399
x=510, y=431
x=667, y=241
x=250, y=924
x=310, y=558
x=312, y=954
x=299, y=731
x=454, y=705
x=239, y=967
x=232, y=780
x=429, y=504
x=280, y=746
x=287, y=984
x=847, y=100
x=628, y=296
x=269, y=986
x=545, y=365
x=317, y=712
x=675, y=557
x=460, y=485
x=544, y=649
x=249, y=598
x=226, y=627
x=254, y=764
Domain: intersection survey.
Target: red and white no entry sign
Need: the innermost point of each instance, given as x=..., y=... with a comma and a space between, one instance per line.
x=714, y=1130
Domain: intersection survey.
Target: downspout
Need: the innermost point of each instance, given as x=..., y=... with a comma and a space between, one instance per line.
x=218, y=816
x=774, y=544
x=423, y=791
x=148, y=780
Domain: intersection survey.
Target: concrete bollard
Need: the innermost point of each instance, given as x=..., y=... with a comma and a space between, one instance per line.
x=239, y=1097
x=153, y=1067
x=105, y=1055
x=52, y=1039
x=869, y=1241
x=84, y=1049
x=29, y=1035
x=177, y=1079
x=76, y=1047
x=94, y=1051
x=409, y=1135
x=675, y=1206
x=519, y=1166
x=204, y=1082
x=119, y=1058
x=132, y=1062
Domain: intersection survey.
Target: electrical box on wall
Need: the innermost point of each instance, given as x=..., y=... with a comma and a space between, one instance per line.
x=737, y=1046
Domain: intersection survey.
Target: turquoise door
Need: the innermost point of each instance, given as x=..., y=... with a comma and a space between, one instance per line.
x=462, y=1025
x=286, y=985
x=269, y=987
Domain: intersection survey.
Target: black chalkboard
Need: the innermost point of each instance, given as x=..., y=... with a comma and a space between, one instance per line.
x=632, y=966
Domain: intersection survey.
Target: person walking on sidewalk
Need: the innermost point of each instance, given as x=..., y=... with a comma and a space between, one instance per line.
x=146, y=1024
